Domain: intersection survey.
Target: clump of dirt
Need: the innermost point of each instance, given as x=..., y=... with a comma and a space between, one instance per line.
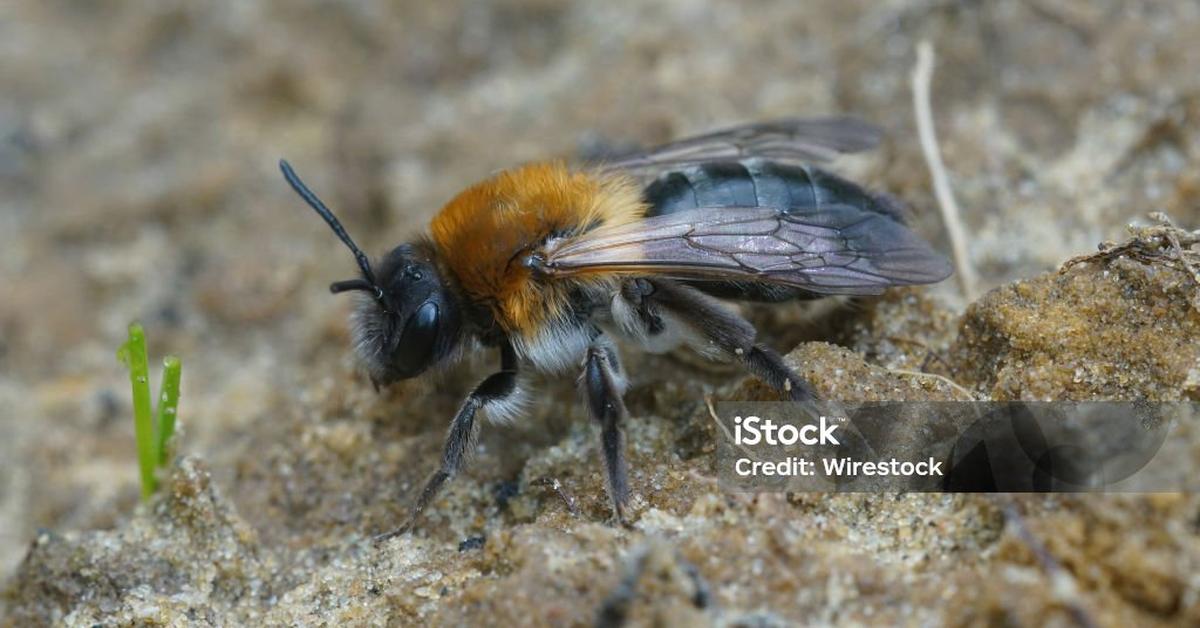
x=1121, y=324
x=186, y=557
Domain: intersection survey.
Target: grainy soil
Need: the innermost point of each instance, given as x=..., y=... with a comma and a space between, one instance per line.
x=138, y=180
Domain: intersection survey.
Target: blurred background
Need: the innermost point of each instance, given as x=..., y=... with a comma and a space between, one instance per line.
x=138, y=181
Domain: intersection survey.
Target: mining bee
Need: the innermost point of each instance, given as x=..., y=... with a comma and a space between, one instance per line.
x=546, y=263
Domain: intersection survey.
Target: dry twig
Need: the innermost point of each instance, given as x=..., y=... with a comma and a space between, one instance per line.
x=1160, y=243
x=554, y=485
x=941, y=378
x=922, y=76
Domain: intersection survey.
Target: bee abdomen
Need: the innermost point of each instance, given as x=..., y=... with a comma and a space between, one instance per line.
x=758, y=183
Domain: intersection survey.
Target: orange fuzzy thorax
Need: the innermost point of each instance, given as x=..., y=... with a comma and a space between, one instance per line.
x=485, y=234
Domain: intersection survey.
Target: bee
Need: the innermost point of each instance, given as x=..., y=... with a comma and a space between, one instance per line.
x=547, y=263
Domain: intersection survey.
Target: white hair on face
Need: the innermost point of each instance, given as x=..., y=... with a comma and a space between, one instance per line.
x=369, y=333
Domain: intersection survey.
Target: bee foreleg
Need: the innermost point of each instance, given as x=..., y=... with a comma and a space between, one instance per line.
x=604, y=385
x=732, y=335
x=460, y=439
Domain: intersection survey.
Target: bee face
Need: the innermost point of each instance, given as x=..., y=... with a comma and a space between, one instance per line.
x=411, y=322
x=407, y=320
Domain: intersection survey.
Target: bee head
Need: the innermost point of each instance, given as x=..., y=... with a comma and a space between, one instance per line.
x=406, y=320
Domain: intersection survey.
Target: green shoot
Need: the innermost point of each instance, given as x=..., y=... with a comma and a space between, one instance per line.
x=133, y=355
x=168, y=403
x=153, y=432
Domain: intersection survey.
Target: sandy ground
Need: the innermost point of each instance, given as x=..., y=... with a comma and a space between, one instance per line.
x=138, y=143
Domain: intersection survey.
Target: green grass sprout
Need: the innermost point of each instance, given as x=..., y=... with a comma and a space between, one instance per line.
x=154, y=433
x=133, y=355
x=168, y=405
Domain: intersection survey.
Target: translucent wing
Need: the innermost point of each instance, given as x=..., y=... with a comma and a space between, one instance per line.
x=787, y=139
x=835, y=249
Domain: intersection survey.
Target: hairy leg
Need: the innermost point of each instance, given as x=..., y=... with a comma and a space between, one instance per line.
x=497, y=389
x=728, y=332
x=604, y=385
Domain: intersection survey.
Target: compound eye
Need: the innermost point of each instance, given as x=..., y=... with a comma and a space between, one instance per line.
x=417, y=342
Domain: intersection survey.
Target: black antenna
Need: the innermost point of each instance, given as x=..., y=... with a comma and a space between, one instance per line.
x=352, y=284
x=363, y=262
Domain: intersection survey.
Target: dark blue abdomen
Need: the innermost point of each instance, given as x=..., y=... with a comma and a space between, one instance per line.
x=758, y=183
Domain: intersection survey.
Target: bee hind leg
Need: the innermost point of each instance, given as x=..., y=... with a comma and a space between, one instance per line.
x=732, y=335
x=498, y=389
x=769, y=366
x=604, y=384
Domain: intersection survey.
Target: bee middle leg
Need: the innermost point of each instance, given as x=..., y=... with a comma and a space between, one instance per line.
x=495, y=391
x=604, y=385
